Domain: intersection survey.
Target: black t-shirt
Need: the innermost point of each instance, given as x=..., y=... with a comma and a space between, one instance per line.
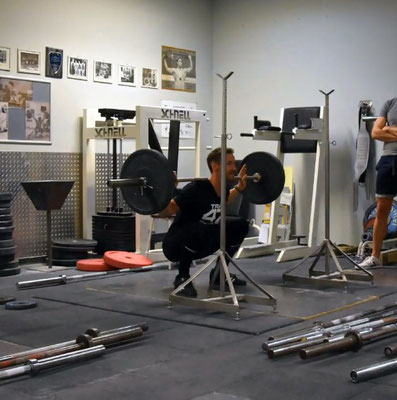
x=198, y=201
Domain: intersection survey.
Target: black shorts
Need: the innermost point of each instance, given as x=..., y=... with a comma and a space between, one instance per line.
x=386, y=177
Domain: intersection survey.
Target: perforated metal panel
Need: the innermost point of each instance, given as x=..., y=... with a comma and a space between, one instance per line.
x=103, y=172
x=29, y=223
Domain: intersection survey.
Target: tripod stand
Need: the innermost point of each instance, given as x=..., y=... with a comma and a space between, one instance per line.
x=327, y=247
x=222, y=302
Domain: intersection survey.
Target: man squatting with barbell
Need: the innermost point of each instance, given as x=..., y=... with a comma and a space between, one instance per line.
x=195, y=232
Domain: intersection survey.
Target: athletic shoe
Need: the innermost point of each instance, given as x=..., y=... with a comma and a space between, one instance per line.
x=189, y=290
x=370, y=262
x=216, y=284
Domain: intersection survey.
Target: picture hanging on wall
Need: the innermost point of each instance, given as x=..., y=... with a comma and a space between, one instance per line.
x=178, y=69
x=103, y=72
x=5, y=53
x=127, y=75
x=149, y=78
x=53, y=62
x=29, y=62
x=77, y=68
x=25, y=107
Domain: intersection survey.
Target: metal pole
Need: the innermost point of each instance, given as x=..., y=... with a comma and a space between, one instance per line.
x=373, y=371
x=49, y=239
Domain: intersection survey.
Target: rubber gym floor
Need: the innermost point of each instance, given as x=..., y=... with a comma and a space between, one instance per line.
x=189, y=353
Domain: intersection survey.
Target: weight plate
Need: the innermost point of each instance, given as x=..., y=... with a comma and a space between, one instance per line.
x=160, y=181
x=75, y=243
x=21, y=305
x=4, y=260
x=94, y=264
x=6, y=299
x=115, y=214
x=272, y=179
x=5, y=196
x=5, y=204
x=5, y=211
x=6, y=251
x=64, y=263
x=67, y=249
x=10, y=271
x=4, y=224
x=125, y=259
x=6, y=243
x=9, y=264
x=5, y=218
x=5, y=236
x=61, y=255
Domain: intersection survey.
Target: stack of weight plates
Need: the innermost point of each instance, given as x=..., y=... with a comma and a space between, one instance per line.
x=66, y=252
x=8, y=264
x=113, y=231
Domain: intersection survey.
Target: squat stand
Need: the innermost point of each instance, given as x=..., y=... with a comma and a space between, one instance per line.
x=326, y=278
x=224, y=303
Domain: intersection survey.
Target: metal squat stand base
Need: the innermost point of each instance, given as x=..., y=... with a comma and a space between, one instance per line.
x=222, y=302
x=326, y=278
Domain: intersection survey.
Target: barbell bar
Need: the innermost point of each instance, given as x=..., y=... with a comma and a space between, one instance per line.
x=147, y=181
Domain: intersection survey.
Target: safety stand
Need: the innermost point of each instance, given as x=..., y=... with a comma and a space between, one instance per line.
x=222, y=302
x=327, y=278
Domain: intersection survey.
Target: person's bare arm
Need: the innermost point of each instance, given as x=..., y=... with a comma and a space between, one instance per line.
x=167, y=68
x=382, y=132
x=189, y=69
x=170, y=210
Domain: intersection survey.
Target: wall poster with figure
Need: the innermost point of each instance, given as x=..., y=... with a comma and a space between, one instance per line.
x=25, y=108
x=178, y=69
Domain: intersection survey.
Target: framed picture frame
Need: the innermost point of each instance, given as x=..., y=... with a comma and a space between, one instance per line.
x=25, y=111
x=53, y=62
x=103, y=72
x=127, y=75
x=149, y=78
x=77, y=68
x=178, y=69
x=5, y=57
x=29, y=62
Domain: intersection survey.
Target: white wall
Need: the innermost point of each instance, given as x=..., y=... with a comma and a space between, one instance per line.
x=119, y=31
x=282, y=53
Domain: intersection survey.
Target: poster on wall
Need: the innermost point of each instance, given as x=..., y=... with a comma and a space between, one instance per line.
x=5, y=53
x=149, y=78
x=53, y=62
x=178, y=69
x=25, y=108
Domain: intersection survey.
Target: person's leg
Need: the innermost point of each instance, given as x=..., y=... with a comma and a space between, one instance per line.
x=383, y=207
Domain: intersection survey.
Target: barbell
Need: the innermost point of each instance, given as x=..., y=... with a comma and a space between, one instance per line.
x=147, y=181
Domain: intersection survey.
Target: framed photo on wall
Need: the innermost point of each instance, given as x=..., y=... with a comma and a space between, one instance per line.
x=25, y=109
x=5, y=54
x=149, y=78
x=178, y=69
x=29, y=62
x=77, y=68
x=103, y=72
x=127, y=75
x=53, y=62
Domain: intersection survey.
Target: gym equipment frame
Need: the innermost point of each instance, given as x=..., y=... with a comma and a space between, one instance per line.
x=327, y=247
x=289, y=249
x=95, y=128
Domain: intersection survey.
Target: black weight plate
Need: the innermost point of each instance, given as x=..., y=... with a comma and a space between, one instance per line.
x=5, y=196
x=10, y=271
x=72, y=243
x=64, y=255
x=64, y=263
x=10, y=264
x=3, y=224
x=5, y=211
x=68, y=249
x=5, y=217
x=6, y=251
x=6, y=229
x=7, y=243
x=5, y=204
x=6, y=299
x=115, y=214
x=156, y=195
x=5, y=236
x=112, y=235
x=21, y=305
x=6, y=259
x=272, y=179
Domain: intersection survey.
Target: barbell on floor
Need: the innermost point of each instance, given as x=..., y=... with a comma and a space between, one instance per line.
x=147, y=181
